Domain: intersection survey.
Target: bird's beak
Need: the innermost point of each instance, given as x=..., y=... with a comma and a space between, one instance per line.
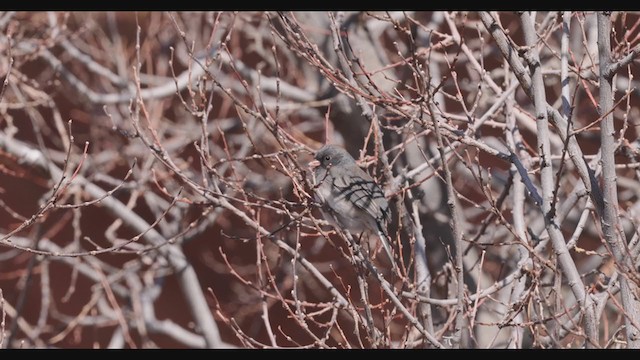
x=314, y=164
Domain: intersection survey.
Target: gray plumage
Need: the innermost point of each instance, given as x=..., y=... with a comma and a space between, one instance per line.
x=349, y=195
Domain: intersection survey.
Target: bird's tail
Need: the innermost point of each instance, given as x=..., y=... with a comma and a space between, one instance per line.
x=384, y=238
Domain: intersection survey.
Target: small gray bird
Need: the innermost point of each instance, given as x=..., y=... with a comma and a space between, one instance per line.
x=348, y=195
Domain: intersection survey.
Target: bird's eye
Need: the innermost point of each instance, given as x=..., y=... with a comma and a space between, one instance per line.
x=327, y=158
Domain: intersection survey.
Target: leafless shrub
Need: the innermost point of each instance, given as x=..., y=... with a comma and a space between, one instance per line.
x=154, y=190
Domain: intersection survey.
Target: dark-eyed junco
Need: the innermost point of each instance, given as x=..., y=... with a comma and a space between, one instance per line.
x=349, y=196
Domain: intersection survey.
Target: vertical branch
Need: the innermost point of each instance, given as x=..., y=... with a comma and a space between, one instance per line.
x=260, y=258
x=514, y=141
x=564, y=64
x=2, y=320
x=368, y=315
x=546, y=173
x=566, y=114
x=423, y=276
x=455, y=227
x=610, y=222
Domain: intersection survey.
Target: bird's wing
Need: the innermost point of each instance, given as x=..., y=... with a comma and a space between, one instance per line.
x=360, y=188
